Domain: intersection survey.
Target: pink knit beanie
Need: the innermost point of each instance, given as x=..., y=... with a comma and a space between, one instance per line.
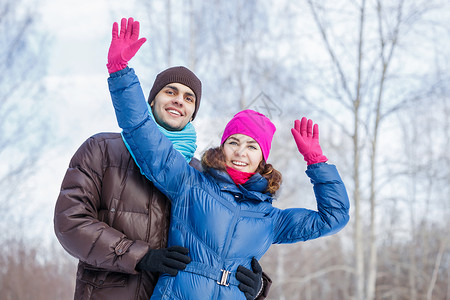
x=253, y=124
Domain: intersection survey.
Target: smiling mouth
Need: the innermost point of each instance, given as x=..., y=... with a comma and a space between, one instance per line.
x=239, y=163
x=174, y=112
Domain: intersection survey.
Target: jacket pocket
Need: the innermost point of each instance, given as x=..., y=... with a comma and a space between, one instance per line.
x=102, y=279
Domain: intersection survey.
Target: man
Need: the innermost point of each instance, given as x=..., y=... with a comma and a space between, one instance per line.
x=109, y=216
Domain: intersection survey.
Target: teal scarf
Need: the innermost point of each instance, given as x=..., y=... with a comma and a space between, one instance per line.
x=183, y=140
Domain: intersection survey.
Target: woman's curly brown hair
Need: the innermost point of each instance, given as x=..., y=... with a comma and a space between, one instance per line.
x=215, y=158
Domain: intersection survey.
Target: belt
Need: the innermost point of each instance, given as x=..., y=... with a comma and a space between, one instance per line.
x=221, y=276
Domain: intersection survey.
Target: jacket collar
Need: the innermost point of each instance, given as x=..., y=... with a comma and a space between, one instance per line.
x=253, y=189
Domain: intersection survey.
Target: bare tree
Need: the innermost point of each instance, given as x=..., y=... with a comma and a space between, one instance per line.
x=366, y=92
x=351, y=65
x=23, y=129
x=424, y=129
x=29, y=272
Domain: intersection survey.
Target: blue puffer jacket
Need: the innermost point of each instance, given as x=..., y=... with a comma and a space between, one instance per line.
x=222, y=224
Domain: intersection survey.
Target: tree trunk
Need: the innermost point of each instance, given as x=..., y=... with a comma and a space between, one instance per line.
x=359, y=238
x=169, y=31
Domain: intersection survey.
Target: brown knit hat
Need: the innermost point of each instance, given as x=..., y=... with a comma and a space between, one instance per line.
x=179, y=75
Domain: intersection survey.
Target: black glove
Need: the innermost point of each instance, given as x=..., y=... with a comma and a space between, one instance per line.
x=250, y=281
x=166, y=260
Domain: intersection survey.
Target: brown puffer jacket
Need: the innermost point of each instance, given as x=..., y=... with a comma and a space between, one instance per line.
x=108, y=216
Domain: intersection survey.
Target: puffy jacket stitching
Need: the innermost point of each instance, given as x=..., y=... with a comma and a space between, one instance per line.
x=191, y=231
x=130, y=212
x=76, y=187
x=167, y=210
x=304, y=237
x=307, y=237
x=112, y=158
x=168, y=165
x=93, y=245
x=88, y=174
x=137, y=153
x=221, y=200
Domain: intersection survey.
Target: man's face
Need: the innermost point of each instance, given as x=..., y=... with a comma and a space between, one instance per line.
x=174, y=106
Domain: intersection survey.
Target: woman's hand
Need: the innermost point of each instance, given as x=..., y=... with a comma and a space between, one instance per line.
x=124, y=45
x=307, y=139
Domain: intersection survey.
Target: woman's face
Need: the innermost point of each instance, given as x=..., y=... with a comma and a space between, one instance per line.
x=242, y=153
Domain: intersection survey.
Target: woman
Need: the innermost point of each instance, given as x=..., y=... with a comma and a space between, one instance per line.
x=224, y=215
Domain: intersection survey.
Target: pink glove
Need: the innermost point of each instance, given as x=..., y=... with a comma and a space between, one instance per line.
x=124, y=46
x=307, y=139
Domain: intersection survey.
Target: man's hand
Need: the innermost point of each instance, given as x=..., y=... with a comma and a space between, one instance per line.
x=307, y=139
x=167, y=260
x=250, y=281
x=124, y=45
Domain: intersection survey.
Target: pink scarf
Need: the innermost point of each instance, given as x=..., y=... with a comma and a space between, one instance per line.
x=239, y=177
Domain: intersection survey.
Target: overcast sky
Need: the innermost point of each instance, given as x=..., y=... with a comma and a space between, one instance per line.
x=79, y=100
x=78, y=97
x=80, y=105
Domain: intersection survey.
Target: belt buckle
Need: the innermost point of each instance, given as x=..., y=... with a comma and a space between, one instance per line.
x=224, y=279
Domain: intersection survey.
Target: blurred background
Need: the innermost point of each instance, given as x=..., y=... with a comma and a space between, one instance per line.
x=373, y=74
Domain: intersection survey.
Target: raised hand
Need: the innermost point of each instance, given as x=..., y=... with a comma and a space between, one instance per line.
x=307, y=139
x=124, y=45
